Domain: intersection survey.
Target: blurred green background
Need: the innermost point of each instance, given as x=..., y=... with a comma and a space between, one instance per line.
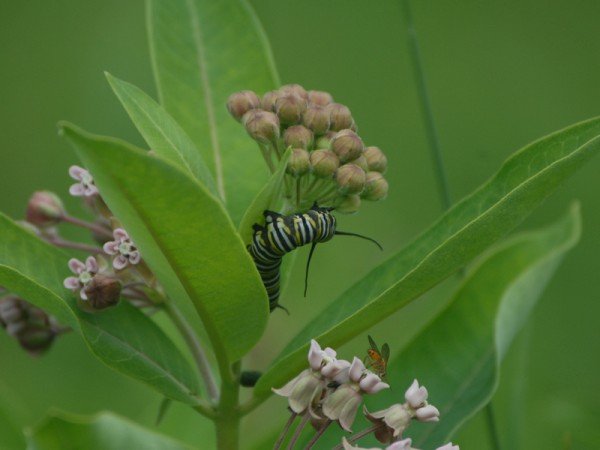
x=500, y=75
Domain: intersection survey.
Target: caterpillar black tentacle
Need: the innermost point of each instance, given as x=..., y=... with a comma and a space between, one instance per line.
x=283, y=234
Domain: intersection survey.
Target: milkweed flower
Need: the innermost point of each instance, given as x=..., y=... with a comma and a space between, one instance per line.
x=305, y=391
x=86, y=186
x=404, y=444
x=343, y=404
x=123, y=249
x=398, y=417
x=84, y=272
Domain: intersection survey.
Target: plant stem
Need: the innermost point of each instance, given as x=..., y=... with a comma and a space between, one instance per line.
x=100, y=230
x=357, y=436
x=432, y=135
x=227, y=421
x=195, y=347
x=285, y=431
x=491, y=425
x=316, y=437
x=74, y=245
x=298, y=431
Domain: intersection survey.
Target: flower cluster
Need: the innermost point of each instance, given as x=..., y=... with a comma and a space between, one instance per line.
x=328, y=163
x=331, y=390
x=114, y=268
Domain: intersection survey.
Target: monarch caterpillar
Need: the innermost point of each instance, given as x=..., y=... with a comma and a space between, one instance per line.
x=378, y=359
x=282, y=234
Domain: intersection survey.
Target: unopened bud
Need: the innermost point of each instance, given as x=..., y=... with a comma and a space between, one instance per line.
x=262, y=126
x=347, y=145
x=324, y=163
x=299, y=163
x=376, y=159
x=30, y=325
x=348, y=204
x=350, y=179
x=102, y=292
x=239, y=103
x=320, y=98
x=290, y=108
x=294, y=89
x=340, y=116
x=317, y=119
x=376, y=187
x=44, y=209
x=268, y=100
x=298, y=136
x=361, y=162
x=325, y=140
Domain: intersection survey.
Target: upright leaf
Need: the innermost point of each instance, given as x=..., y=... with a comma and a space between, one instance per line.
x=122, y=337
x=483, y=217
x=185, y=236
x=62, y=431
x=164, y=136
x=203, y=51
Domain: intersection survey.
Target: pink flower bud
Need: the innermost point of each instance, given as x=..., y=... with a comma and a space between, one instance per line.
x=239, y=103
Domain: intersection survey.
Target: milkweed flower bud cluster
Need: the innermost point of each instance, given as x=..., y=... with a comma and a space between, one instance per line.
x=112, y=269
x=331, y=390
x=329, y=164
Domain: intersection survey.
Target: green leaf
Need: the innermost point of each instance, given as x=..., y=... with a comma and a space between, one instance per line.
x=203, y=51
x=61, y=431
x=473, y=224
x=457, y=357
x=122, y=337
x=185, y=236
x=265, y=199
x=164, y=136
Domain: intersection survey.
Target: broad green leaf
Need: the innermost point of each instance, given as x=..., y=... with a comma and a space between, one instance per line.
x=265, y=199
x=13, y=412
x=122, y=337
x=473, y=224
x=62, y=431
x=457, y=357
x=164, y=136
x=185, y=236
x=202, y=52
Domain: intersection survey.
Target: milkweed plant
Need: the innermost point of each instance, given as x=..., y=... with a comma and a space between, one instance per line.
x=202, y=227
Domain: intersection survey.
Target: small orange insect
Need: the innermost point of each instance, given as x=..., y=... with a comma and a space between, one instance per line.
x=378, y=359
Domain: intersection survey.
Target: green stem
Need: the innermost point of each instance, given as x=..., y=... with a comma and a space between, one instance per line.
x=284, y=432
x=298, y=431
x=491, y=425
x=227, y=421
x=195, y=347
x=432, y=135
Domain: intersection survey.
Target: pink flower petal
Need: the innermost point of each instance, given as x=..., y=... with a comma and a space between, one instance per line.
x=415, y=395
x=83, y=294
x=356, y=369
x=428, y=413
x=371, y=384
x=135, y=257
x=91, y=264
x=120, y=262
x=77, y=172
x=315, y=355
x=76, y=266
x=111, y=248
x=120, y=234
x=77, y=190
x=71, y=283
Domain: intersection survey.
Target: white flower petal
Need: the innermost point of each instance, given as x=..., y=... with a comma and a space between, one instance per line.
x=91, y=264
x=111, y=248
x=135, y=257
x=428, y=413
x=356, y=370
x=120, y=234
